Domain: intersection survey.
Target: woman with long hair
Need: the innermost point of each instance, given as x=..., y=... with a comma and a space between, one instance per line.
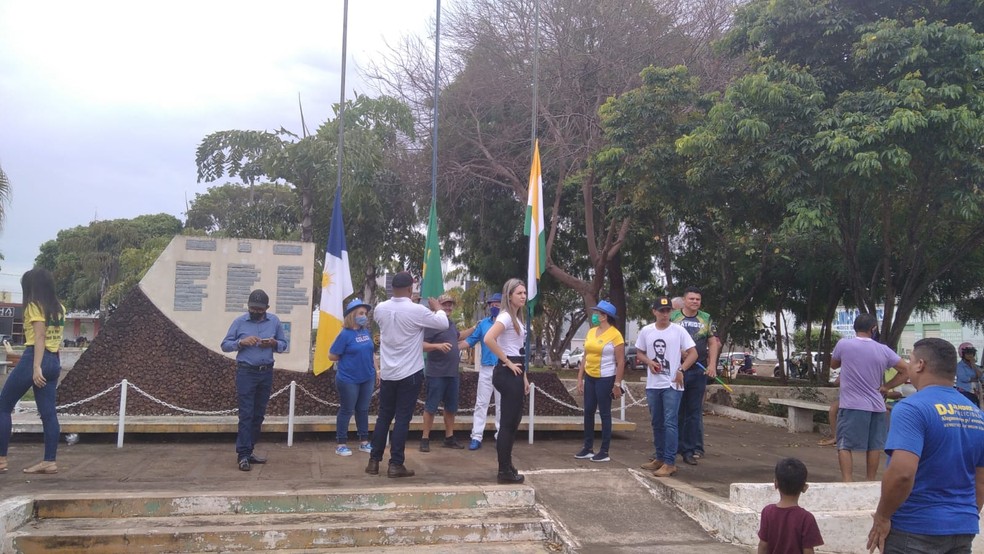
x=39, y=367
x=506, y=340
x=599, y=378
x=355, y=376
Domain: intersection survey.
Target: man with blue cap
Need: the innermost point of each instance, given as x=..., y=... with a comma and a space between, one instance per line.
x=485, y=388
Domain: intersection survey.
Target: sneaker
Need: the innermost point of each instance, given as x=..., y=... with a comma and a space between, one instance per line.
x=584, y=454
x=475, y=444
x=600, y=457
x=365, y=447
x=451, y=442
x=425, y=445
x=244, y=464
x=343, y=450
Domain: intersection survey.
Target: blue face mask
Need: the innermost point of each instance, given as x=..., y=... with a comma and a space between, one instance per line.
x=494, y=311
x=362, y=320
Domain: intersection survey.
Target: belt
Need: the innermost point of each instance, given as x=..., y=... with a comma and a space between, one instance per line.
x=252, y=367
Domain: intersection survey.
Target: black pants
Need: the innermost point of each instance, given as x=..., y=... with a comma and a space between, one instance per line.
x=511, y=387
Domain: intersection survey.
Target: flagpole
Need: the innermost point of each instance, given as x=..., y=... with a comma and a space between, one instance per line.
x=341, y=102
x=533, y=122
x=437, y=73
x=432, y=283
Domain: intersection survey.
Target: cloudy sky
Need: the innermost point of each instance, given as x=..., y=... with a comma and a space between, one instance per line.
x=102, y=103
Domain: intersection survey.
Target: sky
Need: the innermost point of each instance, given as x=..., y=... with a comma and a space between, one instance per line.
x=103, y=103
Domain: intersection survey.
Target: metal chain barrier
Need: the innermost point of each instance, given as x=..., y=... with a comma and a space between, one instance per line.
x=28, y=409
x=186, y=410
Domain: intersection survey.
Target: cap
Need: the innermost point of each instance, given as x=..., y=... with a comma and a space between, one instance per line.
x=258, y=299
x=606, y=307
x=662, y=302
x=402, y=280
x=355, y=303
x=965, y=346
x=445, y=298
x=497, y=297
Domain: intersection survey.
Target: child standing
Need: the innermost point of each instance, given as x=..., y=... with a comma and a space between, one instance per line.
x=786, y=528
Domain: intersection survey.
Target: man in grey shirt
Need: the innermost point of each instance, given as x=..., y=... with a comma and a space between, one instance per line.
x=442, y=378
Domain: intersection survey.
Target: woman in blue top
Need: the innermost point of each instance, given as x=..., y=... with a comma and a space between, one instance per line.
x=355, y=375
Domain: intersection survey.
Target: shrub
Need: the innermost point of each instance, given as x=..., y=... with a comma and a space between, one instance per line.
x=749, y=402
x=809, y=393
x=777, y=410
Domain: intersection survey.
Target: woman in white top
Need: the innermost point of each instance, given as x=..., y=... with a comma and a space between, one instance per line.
x=506, y=340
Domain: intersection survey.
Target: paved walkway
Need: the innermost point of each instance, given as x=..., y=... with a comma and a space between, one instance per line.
x=603, y=507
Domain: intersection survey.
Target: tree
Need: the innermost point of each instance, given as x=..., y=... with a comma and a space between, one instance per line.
x=265, y=211
x=86, y=260
x=4, y=196
x=883, y=109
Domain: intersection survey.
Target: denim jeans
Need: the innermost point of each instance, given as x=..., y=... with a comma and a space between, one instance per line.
x=598, y=397
x=692, y=412
x=898, y=542
x=354, y=398
x=511, y=390
x=396, y=401
x=253, y=389
x=664, y=409
x=18, y=382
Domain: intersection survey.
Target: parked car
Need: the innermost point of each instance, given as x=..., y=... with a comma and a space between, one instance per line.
x=631, y=360
x=564, y=357
x=728, y=360
x=575, y=357
x=797, y=367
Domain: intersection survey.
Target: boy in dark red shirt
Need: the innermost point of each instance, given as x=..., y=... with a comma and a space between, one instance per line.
x=786, y=528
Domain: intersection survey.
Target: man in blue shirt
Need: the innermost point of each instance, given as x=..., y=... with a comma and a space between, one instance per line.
x=933, y=488
x=485, y=388
x=254, y=336
x=968, y=374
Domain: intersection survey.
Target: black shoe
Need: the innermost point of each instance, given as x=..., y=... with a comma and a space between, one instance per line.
x=689, y=459
x=254, y=459
x=372, y=468
x=509, y=478
x=244, y=464
x=399, y=470
x=425, y=445
x=451, y=442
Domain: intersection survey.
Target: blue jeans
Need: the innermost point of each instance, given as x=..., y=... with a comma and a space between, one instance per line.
x=354, y=398
x=253, y=389
x=664, y=408
x=598, y=397
x=692, y=412
x=396, y=401
x=18, y=382
x=898, y=542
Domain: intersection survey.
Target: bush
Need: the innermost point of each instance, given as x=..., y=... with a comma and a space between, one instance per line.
x=749, y=402
x=809, y=393
x=777, y=410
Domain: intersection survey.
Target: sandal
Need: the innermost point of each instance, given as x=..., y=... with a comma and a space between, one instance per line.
x=3, y=465
x=43, y=468
x=828, y=441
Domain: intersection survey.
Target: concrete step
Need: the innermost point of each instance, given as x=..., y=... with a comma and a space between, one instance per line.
x=482, y=518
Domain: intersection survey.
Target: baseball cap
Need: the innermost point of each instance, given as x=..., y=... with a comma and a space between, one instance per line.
x=606, y=307
x=355, y=303
x=497, y=297
x=258, y=299
x=402, y=280
x=662, y=302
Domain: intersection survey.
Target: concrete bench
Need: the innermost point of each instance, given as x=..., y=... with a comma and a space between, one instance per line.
x=800, y=418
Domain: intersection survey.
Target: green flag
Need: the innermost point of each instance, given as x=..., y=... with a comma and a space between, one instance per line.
x=432, y=284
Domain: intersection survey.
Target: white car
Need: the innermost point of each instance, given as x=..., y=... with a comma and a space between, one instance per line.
x=564, y=357
x=575, y=357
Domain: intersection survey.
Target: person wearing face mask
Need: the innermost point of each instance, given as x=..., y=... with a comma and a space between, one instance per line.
x=862, y=423
x=968, y=380
x=599, y=378
x=485, y=388
x=254, y=337
x=355, y=375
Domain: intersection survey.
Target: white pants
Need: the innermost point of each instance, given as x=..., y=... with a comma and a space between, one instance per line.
x=485, y=392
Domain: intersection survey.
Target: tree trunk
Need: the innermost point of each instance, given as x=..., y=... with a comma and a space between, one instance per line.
x=616, y=295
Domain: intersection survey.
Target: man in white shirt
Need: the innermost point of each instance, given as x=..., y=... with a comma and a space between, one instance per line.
x=661, y=346
x=401, y=369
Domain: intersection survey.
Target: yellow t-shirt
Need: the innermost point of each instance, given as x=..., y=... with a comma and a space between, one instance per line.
x=599, y=352
x=53, y=331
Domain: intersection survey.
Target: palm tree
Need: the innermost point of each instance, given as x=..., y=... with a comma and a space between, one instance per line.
x=4, y=195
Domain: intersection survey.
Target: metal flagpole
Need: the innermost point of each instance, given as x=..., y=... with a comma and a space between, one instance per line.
x=437, y=73
x=341, y=103
x=536, y=66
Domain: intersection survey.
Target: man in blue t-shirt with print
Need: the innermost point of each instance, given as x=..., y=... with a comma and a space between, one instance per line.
x=933, y=489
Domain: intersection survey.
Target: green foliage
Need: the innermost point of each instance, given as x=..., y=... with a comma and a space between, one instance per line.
x=799, y=339
x=265, y=211
x=88, y=261
x=809, y=393
x=777, y=410
x=749, y=402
